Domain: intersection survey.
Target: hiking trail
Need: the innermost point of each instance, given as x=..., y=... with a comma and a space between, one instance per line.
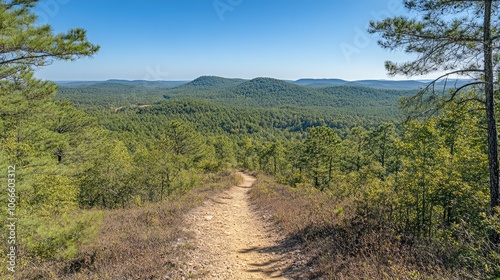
x=230, y=240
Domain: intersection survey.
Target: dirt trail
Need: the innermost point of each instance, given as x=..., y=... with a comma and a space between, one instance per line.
x=230, y=240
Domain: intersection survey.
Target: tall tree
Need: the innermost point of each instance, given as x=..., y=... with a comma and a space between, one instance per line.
x=355, y=149
x=38, y=136
x=25, y=46
x=459, y=37
x=381, y=146
x=320, y=152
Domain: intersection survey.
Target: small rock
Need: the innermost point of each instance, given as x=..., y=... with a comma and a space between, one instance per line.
x=208, y=218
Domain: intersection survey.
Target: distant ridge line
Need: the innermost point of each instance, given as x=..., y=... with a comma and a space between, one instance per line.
x=214, y=81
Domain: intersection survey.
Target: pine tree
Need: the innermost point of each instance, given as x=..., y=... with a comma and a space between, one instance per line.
x=36, y=134
x=320, y=152
x=459, y=37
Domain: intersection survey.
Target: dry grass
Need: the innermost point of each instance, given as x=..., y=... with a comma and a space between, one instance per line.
x=138, y=243
x=336, y=243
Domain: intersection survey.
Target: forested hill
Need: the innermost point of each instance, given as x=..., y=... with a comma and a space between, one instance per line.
x=338, y=106
x=209, y=83
x=262, y=86
x=269, y=92
x=381, y=84
x=259, y=92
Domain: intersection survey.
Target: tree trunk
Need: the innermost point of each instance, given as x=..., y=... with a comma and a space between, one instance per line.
x=490, y=114
x=162, y=187
x=275, y=165
x=330, y=169
x=59, y=154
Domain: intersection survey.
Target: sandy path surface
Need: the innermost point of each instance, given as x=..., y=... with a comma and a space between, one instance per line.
x=230, y=240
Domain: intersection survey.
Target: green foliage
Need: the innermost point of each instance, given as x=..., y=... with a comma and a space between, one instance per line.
x=423, y=182
x=320, y=153
x=381, y=146
x=442, y=35
x=207, y=83
x=170, y=163
x=41, y=137
x=52, y=195
x=223, y=152
x=339, y=107
x=107, y=182
x=58, y=236
x=424, y=185
x=110, y=95
x=355, y=154
x=27, y=44
x=451, y=36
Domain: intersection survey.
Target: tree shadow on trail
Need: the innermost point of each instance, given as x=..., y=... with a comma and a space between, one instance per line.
x=290, y=257
x=319, y=252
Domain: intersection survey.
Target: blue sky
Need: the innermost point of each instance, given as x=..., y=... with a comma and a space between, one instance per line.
x=184, y=39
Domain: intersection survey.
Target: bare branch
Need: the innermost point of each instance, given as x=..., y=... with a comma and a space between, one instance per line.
x=455, y=72
x=462, y=87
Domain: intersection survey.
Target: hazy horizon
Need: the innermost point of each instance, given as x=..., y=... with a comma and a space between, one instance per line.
x=303, y=78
